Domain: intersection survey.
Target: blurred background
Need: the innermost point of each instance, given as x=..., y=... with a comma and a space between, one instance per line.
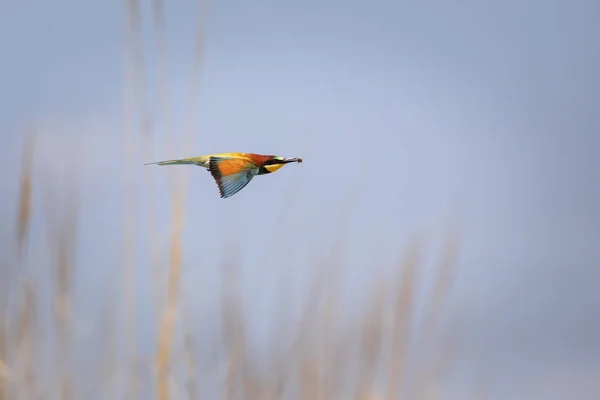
x=441, y=239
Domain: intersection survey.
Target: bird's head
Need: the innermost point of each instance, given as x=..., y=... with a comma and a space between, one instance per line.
x=273, y=163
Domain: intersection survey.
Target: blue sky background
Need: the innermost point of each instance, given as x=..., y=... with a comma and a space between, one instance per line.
x=404, y=113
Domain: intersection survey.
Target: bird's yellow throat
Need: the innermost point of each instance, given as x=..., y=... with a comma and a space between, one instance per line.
x=273, y=167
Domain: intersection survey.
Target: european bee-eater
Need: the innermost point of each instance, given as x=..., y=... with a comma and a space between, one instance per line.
x=233, y=171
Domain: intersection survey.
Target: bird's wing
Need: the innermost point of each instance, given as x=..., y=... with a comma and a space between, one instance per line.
x=231, y=174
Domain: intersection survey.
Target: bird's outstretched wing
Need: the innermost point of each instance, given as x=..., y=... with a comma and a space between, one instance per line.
x=231, y=174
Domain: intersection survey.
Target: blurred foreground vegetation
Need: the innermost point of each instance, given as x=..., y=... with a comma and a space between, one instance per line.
x=43, y=357
x=387, y=350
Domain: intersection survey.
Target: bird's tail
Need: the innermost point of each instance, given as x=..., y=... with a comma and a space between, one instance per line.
x=193, y=160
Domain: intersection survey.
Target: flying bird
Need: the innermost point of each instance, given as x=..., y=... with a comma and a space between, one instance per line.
x=233, y=171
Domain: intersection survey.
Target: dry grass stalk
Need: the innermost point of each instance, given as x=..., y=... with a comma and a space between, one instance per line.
x=7, y=376
x=167, y=321
x=330, y=350
x=65, y=244
x=402, y=321
x=316, y=364
x=25, y=345
x=370, y=345
x=194, y=95
x=310, y=382
x=25, y=191
x=163, y=73
x=443, y=281
x=62, y=219
x=132, y=84
x=165, y=110
x=166, y=329
x=4, y=370
x=433, y=312
x=109, y=362
x=190, y=347
x=23, y=222
x=167, y=145
x=233, y=331
x=332, y=355
x=446, y=351
x=190, y=355
x=304, y=354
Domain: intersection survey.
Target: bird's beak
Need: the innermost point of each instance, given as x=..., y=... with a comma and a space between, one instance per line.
x=292, y=159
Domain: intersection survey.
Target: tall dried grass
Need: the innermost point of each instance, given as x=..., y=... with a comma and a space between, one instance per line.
x=323, y=361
